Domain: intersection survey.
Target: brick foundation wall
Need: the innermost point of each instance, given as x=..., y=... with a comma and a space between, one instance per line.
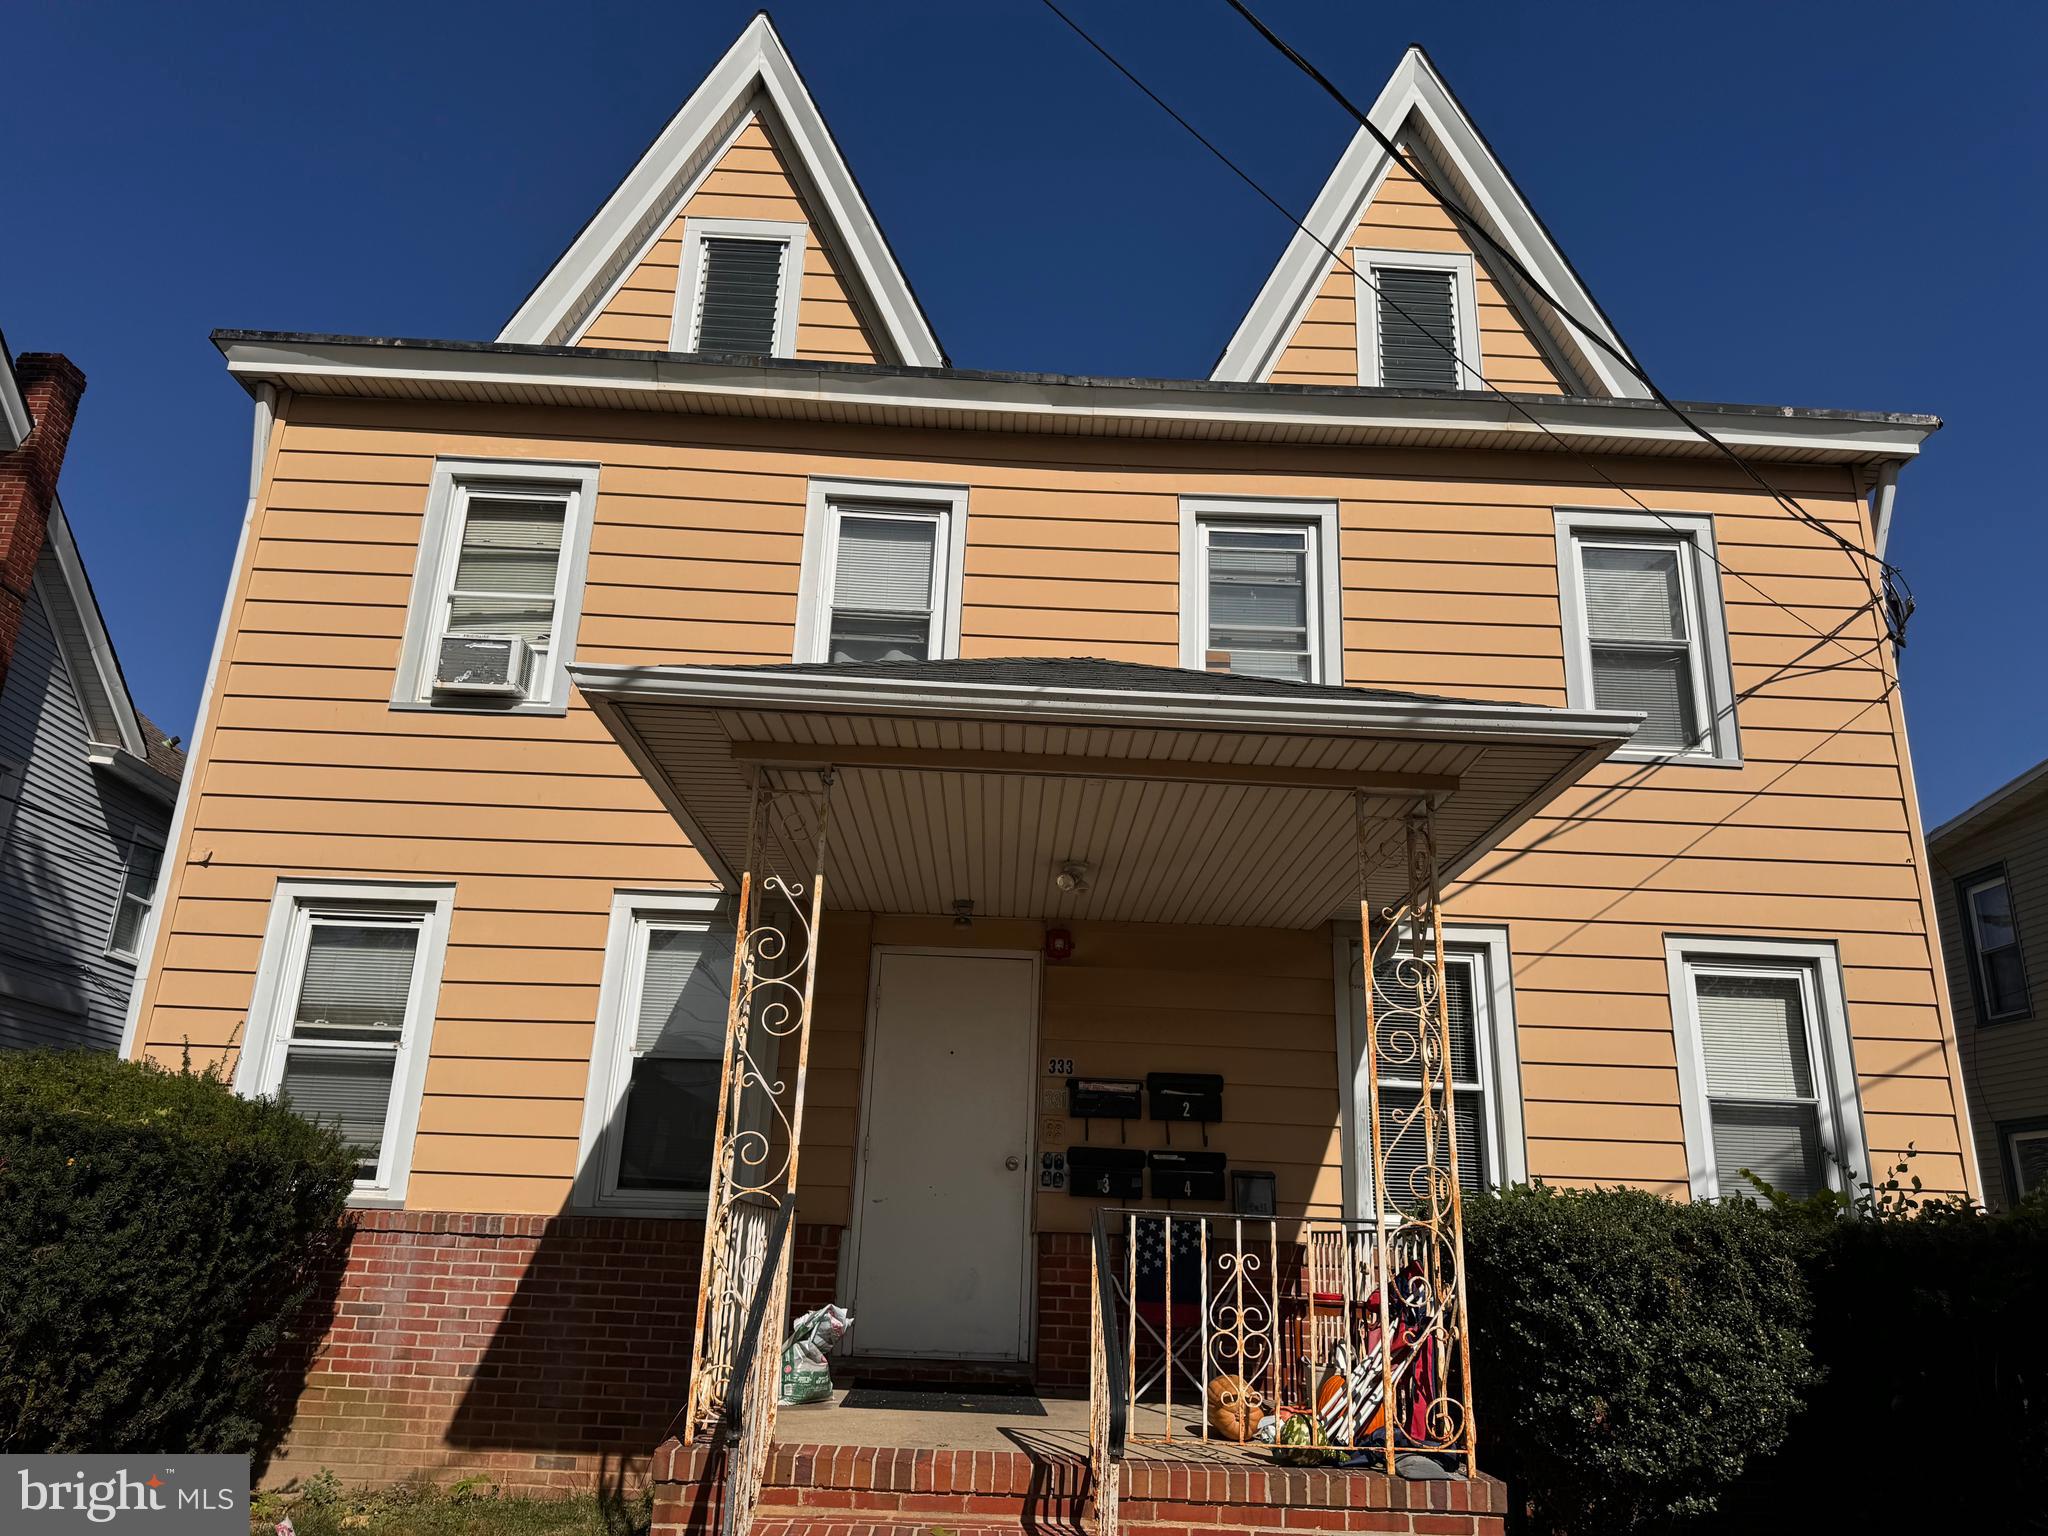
x=1062, y=1362
x=543, y=1352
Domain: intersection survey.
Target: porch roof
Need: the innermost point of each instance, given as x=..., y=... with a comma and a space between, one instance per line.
x=1192, y=797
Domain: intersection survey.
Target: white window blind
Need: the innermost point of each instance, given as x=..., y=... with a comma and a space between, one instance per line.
x=884, y=587
x=678, y=1049
x=740, y=303
x=1259, y=592
x=138, y=891
x=1641, y=640
x=1418, y=329
x=347, y=1022
x=1762, y=1100
x=1995, y=939
x=1396, y=1000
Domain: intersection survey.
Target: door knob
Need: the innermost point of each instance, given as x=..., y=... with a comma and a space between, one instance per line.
x=1011, y=1163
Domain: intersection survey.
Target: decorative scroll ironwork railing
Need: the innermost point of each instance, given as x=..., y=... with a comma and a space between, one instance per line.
x=1218, y=1321
x=755, y=1380
x=781, y=902
x=1108, y=1384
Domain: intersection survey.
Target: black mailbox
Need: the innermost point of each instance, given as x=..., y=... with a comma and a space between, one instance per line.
x=1105, y=1098
x=1105, y=1173
x=1187, y=1175
x=1189, y=1096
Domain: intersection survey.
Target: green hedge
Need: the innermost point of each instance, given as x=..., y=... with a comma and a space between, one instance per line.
x=1641, y=1365
x=158, y=1236
x=1629, y=1353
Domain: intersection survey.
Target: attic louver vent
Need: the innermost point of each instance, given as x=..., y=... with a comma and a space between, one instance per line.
x=1418, y=330
x=742, y=296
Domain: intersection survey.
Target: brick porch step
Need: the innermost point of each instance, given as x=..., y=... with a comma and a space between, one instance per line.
x=891, y=1528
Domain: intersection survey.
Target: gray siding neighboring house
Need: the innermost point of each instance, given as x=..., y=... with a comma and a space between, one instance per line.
x=1991, y=887
x=86, y=790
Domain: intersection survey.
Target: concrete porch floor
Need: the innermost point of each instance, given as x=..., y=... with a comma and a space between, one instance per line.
x=1061, y=1433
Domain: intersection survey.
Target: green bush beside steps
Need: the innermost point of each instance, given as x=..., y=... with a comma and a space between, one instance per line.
x=1875, y=1364
x=158, y=1238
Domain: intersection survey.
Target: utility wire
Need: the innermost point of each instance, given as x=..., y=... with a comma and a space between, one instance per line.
x=1876, y=603
x=1591, y=333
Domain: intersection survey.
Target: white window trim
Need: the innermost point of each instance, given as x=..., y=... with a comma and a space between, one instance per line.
x=683, y=327
x=261, y=1067
x=1713, y=679
x=1500, y=1059
x=412, y=688
x=1464, y=308
x=1326, y=592
x=823, y=504
x=137, y=840
x=611, y=1060
x=2013, y=1142
x=1843, y=1146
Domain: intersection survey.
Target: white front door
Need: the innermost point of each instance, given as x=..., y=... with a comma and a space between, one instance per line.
x=946, y=1157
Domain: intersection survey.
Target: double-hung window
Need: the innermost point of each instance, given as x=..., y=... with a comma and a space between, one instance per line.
x=138, y=894
x=653, y=1102
x=499, y=587
x=1992, y=937
x=1644, y=630
x=1261, y=595
x=2026, y=1158
x=1418, y=320
x=1484, y=1075
x=881, y=573
x=739, y=287
x=343, y=1011
x=1764, y=1067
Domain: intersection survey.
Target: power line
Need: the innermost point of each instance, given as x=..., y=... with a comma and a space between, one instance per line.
x=1472, y=224
x=1876, y=602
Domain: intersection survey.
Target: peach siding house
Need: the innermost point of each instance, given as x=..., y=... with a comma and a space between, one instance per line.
x=1109, y=702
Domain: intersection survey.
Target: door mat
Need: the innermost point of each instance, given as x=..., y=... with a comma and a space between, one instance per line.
x=934, y=1397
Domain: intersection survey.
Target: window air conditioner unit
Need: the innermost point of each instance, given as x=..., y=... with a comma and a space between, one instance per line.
x=486, y=664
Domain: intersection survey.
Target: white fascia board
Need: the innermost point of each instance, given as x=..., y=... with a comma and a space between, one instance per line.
x=738, y=688
x=15, y=423
x=1414, y=89
x=133, y=771
x=101, y=659
x=2001, y=801
x=1107, y=407
x=755, y=67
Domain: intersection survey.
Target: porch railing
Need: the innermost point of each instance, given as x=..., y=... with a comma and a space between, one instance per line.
x=1108, y=1383
x=1214, y=1322
x=752, y=1389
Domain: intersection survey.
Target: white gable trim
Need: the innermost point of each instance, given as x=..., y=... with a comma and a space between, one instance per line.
x=756, y=72
x=99, y=648
x=1417, y=103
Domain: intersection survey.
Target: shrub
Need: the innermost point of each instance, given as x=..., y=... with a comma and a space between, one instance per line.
x=1630, y=1354
x=158, y=1236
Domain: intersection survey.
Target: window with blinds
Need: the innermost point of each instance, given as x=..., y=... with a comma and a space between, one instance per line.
x=349, y=1018
x=1641, y=637
x=1763, y=1076
x=740, y=295
x=1418, y=328
x=1395, y=1001
x=888, y=570
x=2001, y=972
x=677, y=1047
x=507, y=571
x=1259, y=593
x=138, y=892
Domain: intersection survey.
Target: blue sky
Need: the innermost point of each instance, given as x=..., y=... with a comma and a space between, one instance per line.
x=1811, y=205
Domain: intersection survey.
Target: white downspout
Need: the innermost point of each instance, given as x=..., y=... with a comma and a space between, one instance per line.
x=1882, y=499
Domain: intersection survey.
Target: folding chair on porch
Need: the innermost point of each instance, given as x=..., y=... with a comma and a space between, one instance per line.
x=1167, y=1303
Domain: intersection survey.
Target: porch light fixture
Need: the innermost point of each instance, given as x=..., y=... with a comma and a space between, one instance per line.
x=963, y=912
x=1072, y=878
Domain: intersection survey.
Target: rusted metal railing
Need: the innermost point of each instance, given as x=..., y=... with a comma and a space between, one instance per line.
x=754, y=1384
x=1108, y=1385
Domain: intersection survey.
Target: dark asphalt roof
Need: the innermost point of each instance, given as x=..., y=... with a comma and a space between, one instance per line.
x=158, y=751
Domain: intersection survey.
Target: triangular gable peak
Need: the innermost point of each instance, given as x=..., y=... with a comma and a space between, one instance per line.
x=1304, y=326
x=749, y=150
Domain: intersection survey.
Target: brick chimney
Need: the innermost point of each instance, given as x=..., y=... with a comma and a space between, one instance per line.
x=50, y=386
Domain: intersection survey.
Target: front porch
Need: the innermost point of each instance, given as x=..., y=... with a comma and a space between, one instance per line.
x=1021, y=820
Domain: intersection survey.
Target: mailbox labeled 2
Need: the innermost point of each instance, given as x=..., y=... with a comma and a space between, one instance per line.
x=1105, y=1173
x=1187, y=1175
x=1189, y=1096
